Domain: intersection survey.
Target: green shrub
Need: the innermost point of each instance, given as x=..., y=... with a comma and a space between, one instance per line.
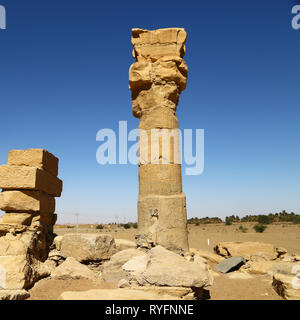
x=99, y=226
x=243, y=229
x=135, y=225
x=260, y=227
x=126, y=226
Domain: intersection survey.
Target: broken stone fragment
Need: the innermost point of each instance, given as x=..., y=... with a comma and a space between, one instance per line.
x=164, y=268
x=246, y=249
x=112, y=270
x=14, y=295
x=122, y=244
x=230, y=264
x=88, y=247
x=287, y=286
x=72, y=269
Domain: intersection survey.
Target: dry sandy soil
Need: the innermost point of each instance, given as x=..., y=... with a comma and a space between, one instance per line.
x=259, y=288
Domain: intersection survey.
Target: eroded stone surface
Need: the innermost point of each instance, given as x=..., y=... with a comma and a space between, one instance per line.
x=29, y=186
x=246, y=249
x=156, y=80
x=39, y=158
x=88, y=247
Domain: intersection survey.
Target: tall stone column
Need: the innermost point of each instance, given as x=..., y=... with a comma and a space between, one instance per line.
x=156, y=80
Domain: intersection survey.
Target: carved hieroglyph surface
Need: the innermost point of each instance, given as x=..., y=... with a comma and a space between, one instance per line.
x=156, y=80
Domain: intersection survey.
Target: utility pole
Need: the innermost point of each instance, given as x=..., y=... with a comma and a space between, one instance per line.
x=77, y=215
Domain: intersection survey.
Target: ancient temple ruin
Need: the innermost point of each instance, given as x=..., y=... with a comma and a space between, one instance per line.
x=156, y=80
x=29, y=184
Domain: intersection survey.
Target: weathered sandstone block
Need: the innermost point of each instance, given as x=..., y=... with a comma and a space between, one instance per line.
x=88, y=247
x=158, y=43
x=123, y=244
x=246, y=249
x=34, y=158
x=16, y=177
x=287, y=286
x=14, y=272
x=159, y=117
x=14, y=294
x=159, y=146
x=161, y=219
x=16, y=218
x=72, y=269
x=30, y=243
x=160, y=179
x=167, y=269
x=26, y=200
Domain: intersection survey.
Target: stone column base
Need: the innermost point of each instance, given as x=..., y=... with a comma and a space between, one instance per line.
x=162, y=220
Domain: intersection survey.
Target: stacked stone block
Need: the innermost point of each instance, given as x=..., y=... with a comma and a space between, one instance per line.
x=29, y=186
x=156, y=80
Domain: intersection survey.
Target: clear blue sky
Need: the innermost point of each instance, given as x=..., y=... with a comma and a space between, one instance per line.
x=64, y=76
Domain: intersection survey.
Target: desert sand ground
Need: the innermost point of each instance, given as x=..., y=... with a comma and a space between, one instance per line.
x=285, y=235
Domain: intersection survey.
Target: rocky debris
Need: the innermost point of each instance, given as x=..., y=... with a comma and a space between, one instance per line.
x=115, y=294
x=14, y=295
x=57, y=242
x=280, y=251
x=261, y=265
x=287, y=258
x=287, y=285
x=210, y=256
x=88, y=247
x=246, y=249
x=158, y=268
x=156, y=80
x=285, y=267
x=72, y=269
x=123, y=283
x=29, y=184
x=163, y=268
x=258, y=267
x=122, y=244
x=230, y=264
x=55, y=255
x=112, y=270
x=198, y=259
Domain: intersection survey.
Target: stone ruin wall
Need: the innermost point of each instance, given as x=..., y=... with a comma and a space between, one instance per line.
x=29, y=186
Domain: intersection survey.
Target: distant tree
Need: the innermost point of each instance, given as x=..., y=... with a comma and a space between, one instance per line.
x=263, y=219
x=296, y=220
x=228, y=221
